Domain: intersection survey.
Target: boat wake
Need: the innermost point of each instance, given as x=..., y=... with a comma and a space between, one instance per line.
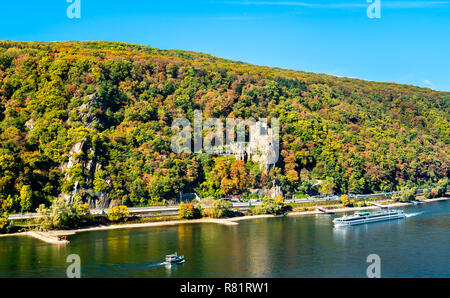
x=412, y=214
x=156, y=264
x=166, y=264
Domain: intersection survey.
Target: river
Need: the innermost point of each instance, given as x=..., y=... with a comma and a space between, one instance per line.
x=303, y=246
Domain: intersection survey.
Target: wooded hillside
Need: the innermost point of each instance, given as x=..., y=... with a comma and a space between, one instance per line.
x=95, y=117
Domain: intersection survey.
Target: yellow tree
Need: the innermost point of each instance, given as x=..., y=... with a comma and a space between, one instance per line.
x=345, y=200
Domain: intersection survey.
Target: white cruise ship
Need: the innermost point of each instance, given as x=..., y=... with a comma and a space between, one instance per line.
x=367, y=217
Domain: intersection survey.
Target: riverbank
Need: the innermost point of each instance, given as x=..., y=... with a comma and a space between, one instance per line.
x=336, y=210
x=53, y=237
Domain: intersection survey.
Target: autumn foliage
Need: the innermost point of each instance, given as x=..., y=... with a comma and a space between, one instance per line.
x=337, y=135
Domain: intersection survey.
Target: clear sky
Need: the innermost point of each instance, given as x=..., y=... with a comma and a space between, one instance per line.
x=409, y=44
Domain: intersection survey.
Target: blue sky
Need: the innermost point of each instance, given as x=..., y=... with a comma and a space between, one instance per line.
x=409, y=44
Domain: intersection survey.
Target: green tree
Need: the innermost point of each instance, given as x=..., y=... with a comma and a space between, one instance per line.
x=442, y=187
x=407, y=194
x=99, y=181
x=26, y=195
x=273, y=206
x=218, y=209
x=327, y=186
x=4, y=223
x=62, y=215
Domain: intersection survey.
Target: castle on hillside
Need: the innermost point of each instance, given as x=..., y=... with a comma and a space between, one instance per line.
x=261, y=148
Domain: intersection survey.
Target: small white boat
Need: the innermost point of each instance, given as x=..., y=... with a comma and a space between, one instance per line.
x=175, y=258
x=368, y=217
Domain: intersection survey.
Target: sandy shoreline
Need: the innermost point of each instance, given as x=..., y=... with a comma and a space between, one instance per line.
x=48, y=237
x=52, y=236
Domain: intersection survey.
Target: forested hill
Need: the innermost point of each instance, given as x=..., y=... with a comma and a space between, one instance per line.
x=93, y=119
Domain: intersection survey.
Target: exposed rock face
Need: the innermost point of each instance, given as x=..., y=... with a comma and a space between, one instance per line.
x=79, y=155
x=30, y=124
x=85, y=112
x=88, y=169
x=76, y=150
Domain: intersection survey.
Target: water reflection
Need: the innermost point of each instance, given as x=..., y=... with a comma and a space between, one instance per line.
x=307, y=246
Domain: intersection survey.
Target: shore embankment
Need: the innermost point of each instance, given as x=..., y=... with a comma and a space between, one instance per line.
x=335, y=210
x=51, y=237
x=144, y=225
x=54, y=237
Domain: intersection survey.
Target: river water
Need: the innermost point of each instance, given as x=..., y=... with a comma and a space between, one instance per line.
x=303, y=246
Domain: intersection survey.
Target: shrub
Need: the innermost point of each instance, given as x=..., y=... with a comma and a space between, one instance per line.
x=361, y=204
x=274, y=206
x=62, y=215
x=345, y=201
x=118, y=214
x=395, y=197
x=442, y=187
x=434, y=193
x=4, y=223
x=218, y=209
x=250, y=196
x=198, y=211
x=427, y=194
x=188, y=211
x=407, y=194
